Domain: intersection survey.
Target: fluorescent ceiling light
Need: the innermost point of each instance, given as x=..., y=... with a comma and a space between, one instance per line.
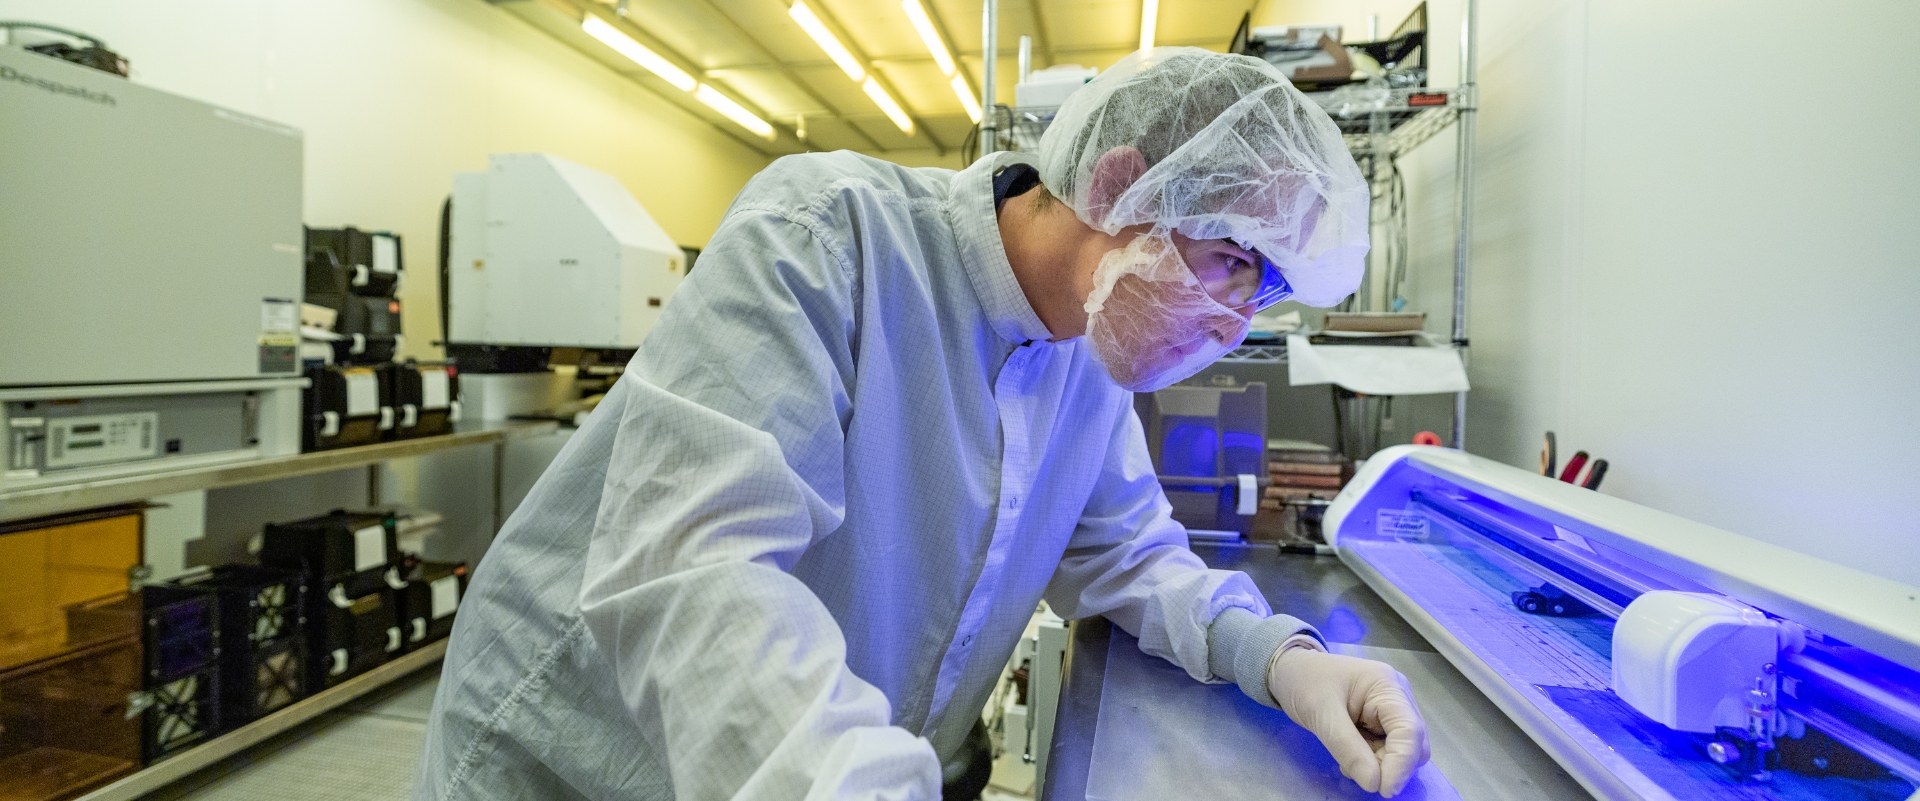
x=825, y=39
x=924, y=24
x=967, y=99
x=626, y=46
x=1149, y=17
x=886, y=104
x=733, y=111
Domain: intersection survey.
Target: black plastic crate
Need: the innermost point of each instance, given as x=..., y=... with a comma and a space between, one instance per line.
x=263, y=652
x=342, y=555
x=423, y=398
x=271, y=677
x=180, y=713
x=343, y=261
x=341, y=407
x=353, y=638
x=427, y=605
x=180, y=631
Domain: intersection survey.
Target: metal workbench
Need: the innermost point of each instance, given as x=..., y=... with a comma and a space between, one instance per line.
x=1483, y=754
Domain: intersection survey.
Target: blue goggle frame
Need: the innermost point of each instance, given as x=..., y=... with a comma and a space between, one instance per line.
x=1273, y=284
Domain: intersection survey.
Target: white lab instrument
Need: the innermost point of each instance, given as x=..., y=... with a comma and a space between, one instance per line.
x=1051, y=86
x=545, y=253
x=152, y=276
x=1651, y=656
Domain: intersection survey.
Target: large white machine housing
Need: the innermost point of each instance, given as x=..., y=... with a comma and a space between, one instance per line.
x=150, y=278
x=543, y=252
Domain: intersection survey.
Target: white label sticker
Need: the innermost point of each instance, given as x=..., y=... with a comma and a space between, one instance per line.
x=386, y=254
x=370, y=548
x=433, y=388
x=279, y=316
x=446, y=596
x=363, y=393
x=1401, y=525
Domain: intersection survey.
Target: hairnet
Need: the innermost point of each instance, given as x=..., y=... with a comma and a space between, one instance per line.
x=1232, y=150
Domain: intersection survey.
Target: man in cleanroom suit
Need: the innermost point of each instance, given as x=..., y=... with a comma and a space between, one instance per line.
x=790, y=553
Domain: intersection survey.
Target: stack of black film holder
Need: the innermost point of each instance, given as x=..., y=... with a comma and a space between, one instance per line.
x=365, y=601
x=359, y=395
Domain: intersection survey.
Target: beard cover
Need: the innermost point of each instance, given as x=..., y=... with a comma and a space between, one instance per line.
x=1150, y=322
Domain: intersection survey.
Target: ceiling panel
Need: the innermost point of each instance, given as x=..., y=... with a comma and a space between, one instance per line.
x=1200, y=23
x=1075, y=24
x=771, y=90
x=877, y=29
x=922, y=87
x=881, y=130
x=768, y=23
x=843, y=95
x=951, y=130
x=692, y=30
x=832, y=133
x=755, y=51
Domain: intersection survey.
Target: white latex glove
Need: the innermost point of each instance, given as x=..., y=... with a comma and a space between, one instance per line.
x=1361, y=710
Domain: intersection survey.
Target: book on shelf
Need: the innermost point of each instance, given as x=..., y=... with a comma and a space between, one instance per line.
x=1332, y=482
x=1310, y=468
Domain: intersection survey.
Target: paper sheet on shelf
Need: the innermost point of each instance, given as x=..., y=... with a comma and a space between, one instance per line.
x=1163, y=735
x=1376, y=369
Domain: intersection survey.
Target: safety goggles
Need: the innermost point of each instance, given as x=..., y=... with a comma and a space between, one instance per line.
x=1258, y=286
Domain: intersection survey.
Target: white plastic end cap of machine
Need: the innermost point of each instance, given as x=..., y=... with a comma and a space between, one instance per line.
x=1688, y=660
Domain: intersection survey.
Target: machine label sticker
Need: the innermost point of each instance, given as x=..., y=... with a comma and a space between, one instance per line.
x=369, y=548
x=279, y=334
x=446, y=596
x=1401, y=525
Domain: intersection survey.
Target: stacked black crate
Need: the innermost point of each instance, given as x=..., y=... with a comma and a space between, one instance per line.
x=180, y=641
x=263, y=653
x=356, y=275
x=425, y=398
x=428, y=603
x=350, y=562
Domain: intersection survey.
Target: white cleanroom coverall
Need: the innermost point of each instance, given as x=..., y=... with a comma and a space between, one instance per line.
x=790, y=553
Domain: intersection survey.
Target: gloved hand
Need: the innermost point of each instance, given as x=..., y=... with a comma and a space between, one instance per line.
x=1361, y=710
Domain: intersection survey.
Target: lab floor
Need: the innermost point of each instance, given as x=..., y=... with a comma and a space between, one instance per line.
x=365, y=751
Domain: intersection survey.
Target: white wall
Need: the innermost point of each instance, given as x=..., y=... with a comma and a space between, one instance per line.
x=1694, y=256
x=397, y=95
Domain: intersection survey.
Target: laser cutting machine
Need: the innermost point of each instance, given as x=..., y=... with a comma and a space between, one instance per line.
x=1651, y=656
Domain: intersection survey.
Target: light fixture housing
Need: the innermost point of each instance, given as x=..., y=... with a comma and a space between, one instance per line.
x=1149, y=19
x=637, y=53
x=923, y=24
x=811, y=23
x=733, y=111
x=967, y=100
x=887, y=104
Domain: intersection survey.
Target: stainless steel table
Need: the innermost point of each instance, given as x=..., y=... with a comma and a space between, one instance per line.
x=1481, y=751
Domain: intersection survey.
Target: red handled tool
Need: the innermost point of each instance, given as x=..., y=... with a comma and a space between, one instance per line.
x=1574, y=464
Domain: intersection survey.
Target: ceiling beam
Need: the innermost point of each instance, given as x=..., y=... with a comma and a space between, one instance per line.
x=787, y=70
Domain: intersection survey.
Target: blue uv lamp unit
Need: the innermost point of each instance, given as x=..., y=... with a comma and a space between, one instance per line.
x=1651, y=656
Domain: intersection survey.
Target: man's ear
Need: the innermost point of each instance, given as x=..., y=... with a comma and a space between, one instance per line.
x=1116, y=170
